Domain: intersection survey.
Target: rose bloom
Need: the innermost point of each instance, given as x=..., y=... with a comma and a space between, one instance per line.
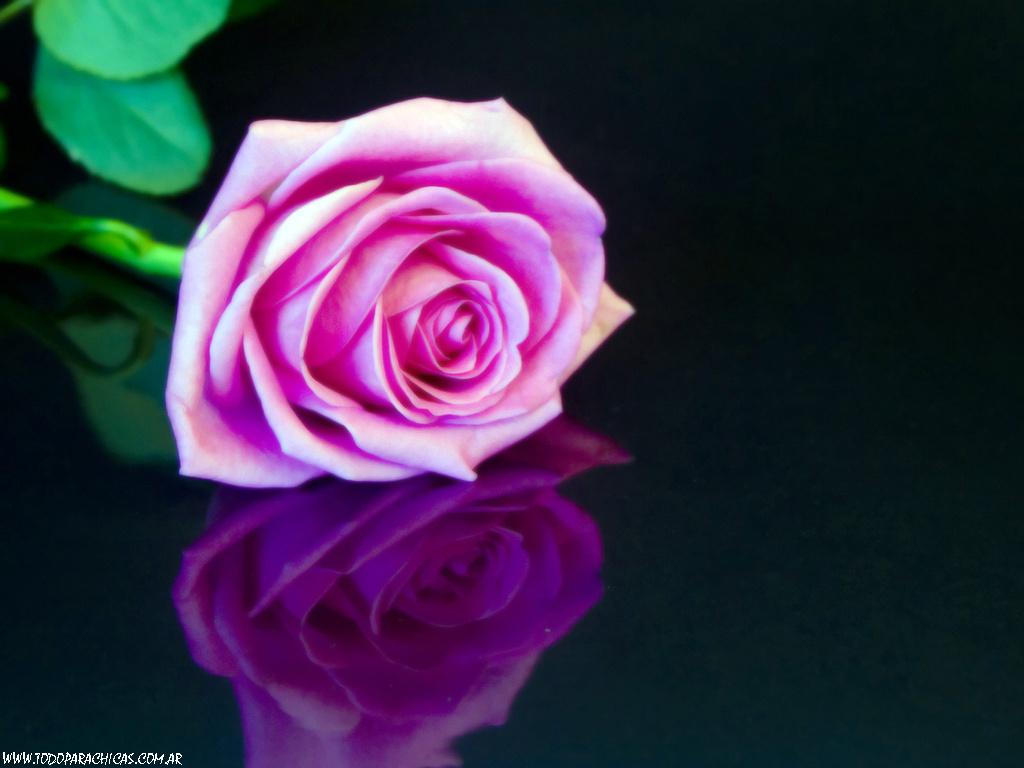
x=396, y=293
x=370, y=623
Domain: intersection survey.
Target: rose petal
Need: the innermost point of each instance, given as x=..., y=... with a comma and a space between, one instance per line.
x=282, y=240
x=219, y=441
x=542, y=368
x=523, y=307
x=452, y=450
x=484, y=594
x=270, y=151
x=274, y=660
x=339, y=455
x=414, y=133
x=550, y=196
x=510, y=252
x=192, y=593
x=369, y=266
x=612, y=311
x=422, y=403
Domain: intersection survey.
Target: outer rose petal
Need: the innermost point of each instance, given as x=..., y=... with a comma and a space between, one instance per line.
x=452, y=450
x=568, y=214
x=271, y=149
x=416, y=133
x=220, y=443
x=612, y=311
x=340, y=456
x=287, y=235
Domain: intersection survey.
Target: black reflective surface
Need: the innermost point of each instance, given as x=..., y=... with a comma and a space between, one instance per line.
x=814, y=558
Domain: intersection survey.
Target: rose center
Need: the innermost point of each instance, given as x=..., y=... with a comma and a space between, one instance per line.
x=456, y=336
x=456, y=329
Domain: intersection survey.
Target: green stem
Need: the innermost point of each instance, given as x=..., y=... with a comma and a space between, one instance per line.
x=143, y=254
x=13, y=8
x=113, y=240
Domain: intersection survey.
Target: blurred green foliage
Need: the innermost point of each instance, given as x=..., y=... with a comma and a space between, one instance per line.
x=108, y=88
x=147, y=134
x=3, y=140
x=125, y=39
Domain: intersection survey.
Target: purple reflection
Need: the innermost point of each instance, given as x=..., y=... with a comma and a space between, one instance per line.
x=371, y=624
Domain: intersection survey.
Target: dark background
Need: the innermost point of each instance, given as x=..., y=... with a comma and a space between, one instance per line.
x=815, y=559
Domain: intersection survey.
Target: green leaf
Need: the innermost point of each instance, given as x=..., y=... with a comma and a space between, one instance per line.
x=125, y=39
x=148, y=135
x=243, y=9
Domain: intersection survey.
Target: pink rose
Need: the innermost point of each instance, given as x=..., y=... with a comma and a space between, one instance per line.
x=392, y=294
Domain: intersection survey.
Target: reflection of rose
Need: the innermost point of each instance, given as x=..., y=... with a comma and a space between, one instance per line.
x=400, y=292
x=374, y=610
x=274, y=739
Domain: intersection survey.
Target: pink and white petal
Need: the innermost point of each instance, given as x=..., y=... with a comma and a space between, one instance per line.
x=550, y=196
x=521, y=315
x=414, y=133
x=612, y=311
x=322, y=252
x=349, y=292
x=425, y=410
x=543, y=366
x=208, y=278
x=352, y=373
x=417, y=280
x=451, y=450
x=280, y=327
x=231, y=443
x=339, y=455
x=279, y=242
x=226, y=377
x=374, y=269
x=296, y=227
x=270, y=151
x=474, y=395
